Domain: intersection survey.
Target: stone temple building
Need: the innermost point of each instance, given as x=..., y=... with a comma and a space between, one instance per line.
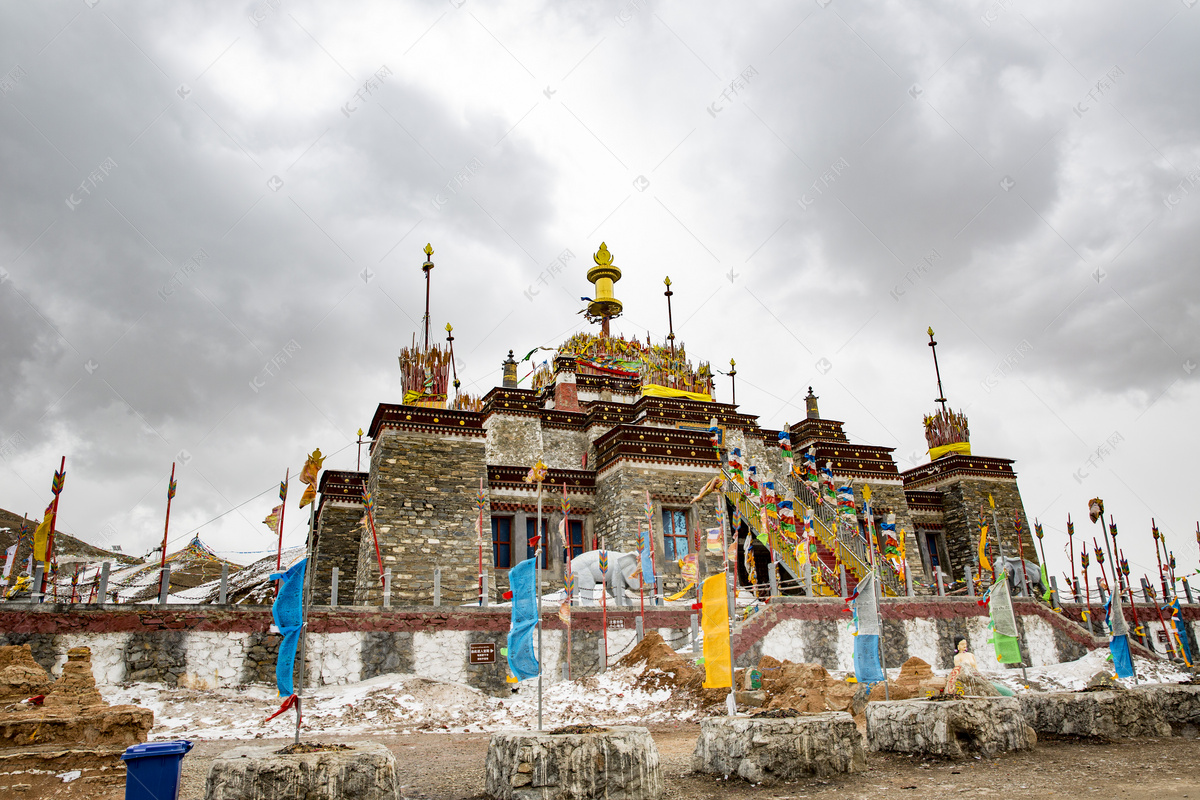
x=625, y=429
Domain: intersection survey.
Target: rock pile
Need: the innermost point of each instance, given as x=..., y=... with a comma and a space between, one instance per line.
x=20, y=676
x=73, y=713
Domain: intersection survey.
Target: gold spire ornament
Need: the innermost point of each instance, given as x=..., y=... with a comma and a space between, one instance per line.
x=605, y=306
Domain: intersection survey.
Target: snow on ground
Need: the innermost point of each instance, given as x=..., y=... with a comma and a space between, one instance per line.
x=407, y=703
x=397, y=704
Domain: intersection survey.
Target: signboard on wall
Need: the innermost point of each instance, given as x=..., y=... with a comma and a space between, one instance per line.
x=481, y=653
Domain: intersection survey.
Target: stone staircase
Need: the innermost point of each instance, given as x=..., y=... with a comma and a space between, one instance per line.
x=836, y=542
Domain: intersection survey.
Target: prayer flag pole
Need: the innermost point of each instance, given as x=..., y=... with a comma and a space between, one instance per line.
x=1162, y=575
x=56, y=486
x=283, y=487
x=730, y=586
x=1071, y=544
x=306, y=595
x=162, y=567
x=1087, y=590
x=866, y=492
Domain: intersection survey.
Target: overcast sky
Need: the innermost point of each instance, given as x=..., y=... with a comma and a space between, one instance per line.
x=211, y=222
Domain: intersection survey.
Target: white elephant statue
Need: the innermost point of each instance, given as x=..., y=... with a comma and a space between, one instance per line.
x=1016, y=578
x=622, y=567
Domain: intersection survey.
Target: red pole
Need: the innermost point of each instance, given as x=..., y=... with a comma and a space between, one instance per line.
x=1162, y=622
x=642, y=591
x=1071, y=541
x=480, y=538
x=62, y=467
x=1129, y=589
x=166, y=527
x=1162, y=575
x=375, y=537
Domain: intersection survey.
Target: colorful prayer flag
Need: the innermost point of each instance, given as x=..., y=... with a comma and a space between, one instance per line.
x=171, y=489
x=308, y=476
x=272, y=520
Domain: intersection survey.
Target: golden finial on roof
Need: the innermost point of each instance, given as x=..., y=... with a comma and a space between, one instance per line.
x=428, y=249
x=602, y=257
x=605, y=306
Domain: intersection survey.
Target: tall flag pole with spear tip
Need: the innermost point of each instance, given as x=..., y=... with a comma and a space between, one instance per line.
x=1071, y=544
x=283, y=487
x=480, y=502
x=1087, y=591
x=1039, y=533
x=56, y=486
x=1162, y=575
x=1096, y=512
x=162, y=568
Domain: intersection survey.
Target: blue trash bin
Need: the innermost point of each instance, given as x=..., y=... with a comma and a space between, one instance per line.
x=152, y=770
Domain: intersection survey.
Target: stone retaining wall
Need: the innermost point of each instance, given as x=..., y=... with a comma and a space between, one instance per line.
x=229, y=646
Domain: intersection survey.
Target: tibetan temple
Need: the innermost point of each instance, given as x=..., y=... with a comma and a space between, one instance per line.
x=627, y=431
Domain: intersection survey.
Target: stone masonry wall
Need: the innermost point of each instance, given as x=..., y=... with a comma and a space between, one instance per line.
x=338, y=539
x=514, y=439
x=961, y=503
x=425, y=488
x=621, y=500
x=564, y=448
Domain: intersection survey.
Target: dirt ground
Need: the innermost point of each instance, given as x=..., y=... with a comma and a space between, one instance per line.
x=450, y=767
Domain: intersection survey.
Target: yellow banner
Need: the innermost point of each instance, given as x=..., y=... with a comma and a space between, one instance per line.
x=41, y=538
x=715, y=622
x=983, y=559
x=658, y=390
x=962, y=448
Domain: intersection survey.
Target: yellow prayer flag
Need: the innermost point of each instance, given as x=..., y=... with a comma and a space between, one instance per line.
x=41, y=537
x=991, y=502
x=308, y=474
x=715, y=622
x=983, y=559
x=310, y=494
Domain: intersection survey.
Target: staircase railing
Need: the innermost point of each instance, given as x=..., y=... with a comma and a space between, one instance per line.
x=838, y=535
x=783, y=549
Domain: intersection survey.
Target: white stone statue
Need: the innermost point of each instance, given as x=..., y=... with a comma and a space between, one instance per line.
x=621, y=566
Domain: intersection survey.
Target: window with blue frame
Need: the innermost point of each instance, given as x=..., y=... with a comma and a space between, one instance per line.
x=502, y=541
x=675, y=534
x=574, y=545
x=530, y=532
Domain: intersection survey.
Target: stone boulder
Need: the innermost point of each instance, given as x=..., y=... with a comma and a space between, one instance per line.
x=1107, y=715
x=617, y=763
x=1176, y=704
x=365, y=771
x=768, y=750
x=20, y=676
x=949, y=728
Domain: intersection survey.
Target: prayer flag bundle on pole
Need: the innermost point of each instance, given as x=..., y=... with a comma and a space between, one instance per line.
x=308, y=476
x=1003, y=623
x=868, y=668
x=522, y=661
x=785, y=446
x=810, y=471
x=787, y=518
x=1118, y=644
x=752, y=480
x=735, y=464
x=288, y=613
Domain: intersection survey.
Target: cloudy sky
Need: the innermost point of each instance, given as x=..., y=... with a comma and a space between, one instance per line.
x=211, y=223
